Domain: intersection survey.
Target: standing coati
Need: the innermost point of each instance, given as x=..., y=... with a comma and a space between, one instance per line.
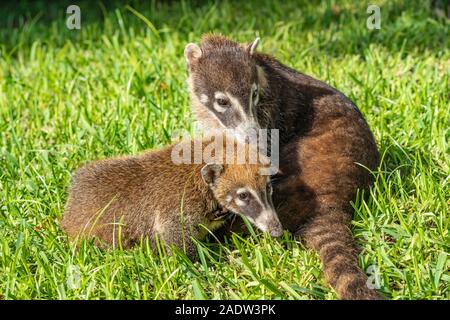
x=325, y=145
x=123, y=200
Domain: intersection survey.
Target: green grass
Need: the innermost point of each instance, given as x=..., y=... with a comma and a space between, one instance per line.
x=117, y=86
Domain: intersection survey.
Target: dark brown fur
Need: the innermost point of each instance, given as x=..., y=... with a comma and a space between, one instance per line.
x=124, y=200
x=324, y=138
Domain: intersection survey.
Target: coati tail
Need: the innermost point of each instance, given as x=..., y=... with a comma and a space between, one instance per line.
x=331, y=237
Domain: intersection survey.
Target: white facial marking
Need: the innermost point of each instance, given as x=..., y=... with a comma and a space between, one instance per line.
x=199, y=109
x=241, y=190
x=262, y=80
x=204, y=98
x=219, y=108
x=219, y=95
x=266, y=216
x=264, y=219
x=270, y=187
x=255, y=102
x=248, y=123
x=228, y=198
x=257, y=198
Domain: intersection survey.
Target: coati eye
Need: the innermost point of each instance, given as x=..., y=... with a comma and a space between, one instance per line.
x=255, y=94
x=243, y=196
x=223, y=102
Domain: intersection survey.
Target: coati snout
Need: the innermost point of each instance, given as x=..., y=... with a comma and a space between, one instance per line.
x=225, y=85
x=249, y=196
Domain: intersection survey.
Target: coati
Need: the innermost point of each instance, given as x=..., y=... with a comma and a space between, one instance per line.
x=325, y=146
x=123, y=200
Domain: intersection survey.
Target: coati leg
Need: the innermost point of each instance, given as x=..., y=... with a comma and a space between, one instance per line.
x=329, y=234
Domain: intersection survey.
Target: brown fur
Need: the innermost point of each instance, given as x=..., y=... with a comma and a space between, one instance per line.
x=124, y=200
x=323, y=139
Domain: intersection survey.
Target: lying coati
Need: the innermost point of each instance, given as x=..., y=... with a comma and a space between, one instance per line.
x=325, y=147
x=123, y=200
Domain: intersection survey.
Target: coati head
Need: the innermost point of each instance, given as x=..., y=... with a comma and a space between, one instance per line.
x=225, y=83
x=242, y=189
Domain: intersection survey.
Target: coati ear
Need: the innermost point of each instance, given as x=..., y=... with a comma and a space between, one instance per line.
x=210, y=172
x=251, y=48
x=192, y=52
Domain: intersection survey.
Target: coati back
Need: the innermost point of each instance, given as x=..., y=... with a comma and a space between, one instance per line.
x=325, y=145
x=123, y=200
